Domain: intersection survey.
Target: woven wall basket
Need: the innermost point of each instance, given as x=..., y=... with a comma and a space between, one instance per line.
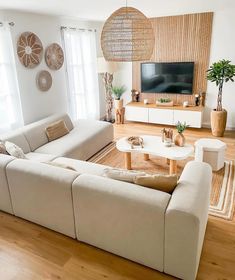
x=29, y=49
x=44, y=80
x=127, y=35
x=54, y=56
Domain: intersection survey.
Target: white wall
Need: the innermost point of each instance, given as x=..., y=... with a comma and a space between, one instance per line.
x=37, y=104
x=222, y=46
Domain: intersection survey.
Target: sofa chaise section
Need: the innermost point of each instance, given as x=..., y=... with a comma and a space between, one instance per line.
x=84, y=140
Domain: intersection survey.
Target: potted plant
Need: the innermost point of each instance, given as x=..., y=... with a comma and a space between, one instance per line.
x=179, y=139
x=164, y=102
x=220, y=72
x=117, y=93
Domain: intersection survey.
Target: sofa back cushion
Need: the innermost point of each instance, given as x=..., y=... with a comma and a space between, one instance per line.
x=17, y=137
x=36, y=134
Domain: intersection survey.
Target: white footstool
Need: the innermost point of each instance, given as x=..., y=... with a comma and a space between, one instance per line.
x=210, y=151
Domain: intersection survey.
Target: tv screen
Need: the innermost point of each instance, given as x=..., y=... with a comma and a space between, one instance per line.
x=176, y=77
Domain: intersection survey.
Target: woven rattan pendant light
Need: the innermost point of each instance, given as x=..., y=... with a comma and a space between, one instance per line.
x=127, y=35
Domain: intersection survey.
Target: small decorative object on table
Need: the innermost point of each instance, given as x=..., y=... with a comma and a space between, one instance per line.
x=146, y=101
x=135, y=95
x=165, y=102
x=179, y=139
x=136, y=141
x=167, y=137
x=185, y=103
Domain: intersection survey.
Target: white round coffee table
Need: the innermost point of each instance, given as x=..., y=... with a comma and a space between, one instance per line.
x=153, y=145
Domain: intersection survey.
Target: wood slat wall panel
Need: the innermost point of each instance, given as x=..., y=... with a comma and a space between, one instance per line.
x=180, y=38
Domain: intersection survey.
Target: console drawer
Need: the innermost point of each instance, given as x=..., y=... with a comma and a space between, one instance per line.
x=136, y=114
x=161, y=116
x=192, y=118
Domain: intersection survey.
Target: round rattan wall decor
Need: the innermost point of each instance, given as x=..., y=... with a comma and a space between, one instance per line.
x=54, y=56
x=44, y=80
x=29, y=49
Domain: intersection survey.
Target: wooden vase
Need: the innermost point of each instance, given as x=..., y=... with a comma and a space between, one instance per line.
x=179, y=140
x=218, y=122
x=118, y=103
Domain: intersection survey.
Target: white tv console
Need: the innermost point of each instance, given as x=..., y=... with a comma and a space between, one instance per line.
x=151, y=113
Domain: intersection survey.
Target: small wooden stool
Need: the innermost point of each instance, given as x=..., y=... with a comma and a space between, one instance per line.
x=119, y=115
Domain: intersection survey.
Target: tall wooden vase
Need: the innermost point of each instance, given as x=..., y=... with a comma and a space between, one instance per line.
x=218, y=122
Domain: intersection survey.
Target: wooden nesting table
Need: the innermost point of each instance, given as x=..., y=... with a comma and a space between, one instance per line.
x=153, y=146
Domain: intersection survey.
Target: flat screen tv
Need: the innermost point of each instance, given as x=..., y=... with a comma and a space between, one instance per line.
x=175, y=77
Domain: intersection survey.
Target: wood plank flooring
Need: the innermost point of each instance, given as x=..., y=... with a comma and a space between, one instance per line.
x=29, y=251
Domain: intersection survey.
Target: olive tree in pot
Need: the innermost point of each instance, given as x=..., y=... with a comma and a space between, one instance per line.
x=117, y=93
x=220, y=72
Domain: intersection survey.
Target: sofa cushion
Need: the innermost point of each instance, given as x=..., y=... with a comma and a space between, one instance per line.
x=40, y=157
x=82, y=166
x=122, y=218
x=17, y=137
x=86, y=139
x=35, y=132
x=56, y=130
x=41, y=194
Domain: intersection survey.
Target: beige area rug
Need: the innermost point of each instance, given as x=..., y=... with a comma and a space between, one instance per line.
x=223, y=184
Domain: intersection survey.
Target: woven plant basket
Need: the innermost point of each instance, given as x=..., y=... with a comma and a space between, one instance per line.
x=127, y=35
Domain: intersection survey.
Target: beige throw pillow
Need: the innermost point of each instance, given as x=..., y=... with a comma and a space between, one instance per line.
x=14, y=150
x=56, y=164
x=165, y=183
x=56, y=130
x=122, y=174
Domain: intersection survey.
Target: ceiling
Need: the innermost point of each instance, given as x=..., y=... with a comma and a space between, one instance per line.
x=101, y=9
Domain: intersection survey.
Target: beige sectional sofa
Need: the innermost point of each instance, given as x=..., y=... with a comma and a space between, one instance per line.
x=156, y=229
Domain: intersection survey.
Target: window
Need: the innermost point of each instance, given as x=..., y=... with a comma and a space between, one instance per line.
x=10, y=106
x=81, y=70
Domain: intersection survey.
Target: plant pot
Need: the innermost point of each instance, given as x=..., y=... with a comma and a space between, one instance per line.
x=218, y=122
x=166, y=104
x=118, y=103
x=179, y=139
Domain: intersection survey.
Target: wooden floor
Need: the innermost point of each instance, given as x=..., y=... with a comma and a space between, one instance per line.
x=28, y=251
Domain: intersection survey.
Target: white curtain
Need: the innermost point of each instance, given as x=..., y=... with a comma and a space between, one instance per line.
x=81, y=69
x=10, y=105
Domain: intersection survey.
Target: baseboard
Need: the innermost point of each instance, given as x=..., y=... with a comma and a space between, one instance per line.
x=208, y=125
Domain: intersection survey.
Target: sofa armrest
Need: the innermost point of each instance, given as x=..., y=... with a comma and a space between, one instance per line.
x=122, y=218
x=186, y=219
